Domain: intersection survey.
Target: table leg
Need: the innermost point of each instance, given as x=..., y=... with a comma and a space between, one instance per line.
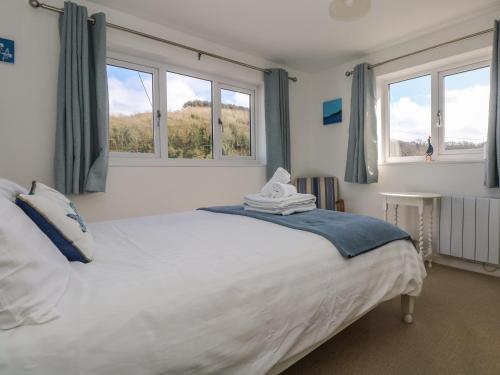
x=429, y=242
x=421, y=229
x=386, y=210
x=396, y=214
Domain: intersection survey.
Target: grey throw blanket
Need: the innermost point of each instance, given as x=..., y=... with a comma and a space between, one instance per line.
x=351, y=234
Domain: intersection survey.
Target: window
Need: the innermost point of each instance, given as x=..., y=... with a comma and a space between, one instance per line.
x=448, y=105
x=235, y=123
x=463, y=116
x=131, y=109
x=174, y=116
x=189, y=117
x=410, y=116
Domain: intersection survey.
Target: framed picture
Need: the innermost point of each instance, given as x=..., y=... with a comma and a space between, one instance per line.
x=7, y=50
x=332, y=111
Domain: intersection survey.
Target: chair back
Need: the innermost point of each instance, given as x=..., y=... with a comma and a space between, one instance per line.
x=326, y=190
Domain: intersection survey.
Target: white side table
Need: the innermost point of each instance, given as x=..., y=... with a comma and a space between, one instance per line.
x=421, y=201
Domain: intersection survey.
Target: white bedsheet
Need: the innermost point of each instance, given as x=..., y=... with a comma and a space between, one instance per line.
x=204, y=293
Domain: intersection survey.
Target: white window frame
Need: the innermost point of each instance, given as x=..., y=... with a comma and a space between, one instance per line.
x=225, y=86
x=192, y=74
x=160, y=157
x=386, y=120
x=441, y=109
x=156, y=106
x=437, y=72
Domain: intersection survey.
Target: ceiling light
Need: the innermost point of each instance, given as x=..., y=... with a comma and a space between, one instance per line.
x=349, y=9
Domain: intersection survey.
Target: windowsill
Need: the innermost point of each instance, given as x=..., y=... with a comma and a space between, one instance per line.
x=156, y=162
x=441, y=161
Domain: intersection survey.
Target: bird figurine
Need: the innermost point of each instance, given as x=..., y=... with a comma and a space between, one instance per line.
x=430, y=150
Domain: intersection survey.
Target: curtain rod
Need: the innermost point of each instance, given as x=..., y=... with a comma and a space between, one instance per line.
x=37, y=4
x=371, y=66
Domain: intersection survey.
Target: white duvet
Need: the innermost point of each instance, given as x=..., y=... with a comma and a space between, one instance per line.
x=205, y=293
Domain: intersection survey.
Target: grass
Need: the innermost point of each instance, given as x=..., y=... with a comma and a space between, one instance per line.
x=189, y=132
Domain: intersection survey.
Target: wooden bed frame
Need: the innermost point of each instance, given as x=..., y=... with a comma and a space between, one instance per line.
x=407, y=308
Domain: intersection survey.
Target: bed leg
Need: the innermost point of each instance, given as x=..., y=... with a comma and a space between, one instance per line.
x=407, y=306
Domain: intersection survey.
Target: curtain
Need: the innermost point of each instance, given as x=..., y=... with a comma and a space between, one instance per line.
x=277, y=121
x=81, y=148
x=362, y=154
x=493, y=144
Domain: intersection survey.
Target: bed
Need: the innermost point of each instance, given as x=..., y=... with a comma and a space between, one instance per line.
x=207, y=293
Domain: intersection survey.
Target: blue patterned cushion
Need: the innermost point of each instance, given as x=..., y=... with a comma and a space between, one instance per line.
x=58, y=218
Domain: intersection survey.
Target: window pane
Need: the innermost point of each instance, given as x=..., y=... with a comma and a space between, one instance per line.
x=235, y=127
x=130, y=110
x=410, y=116
x=466, y=100
x=189, y=116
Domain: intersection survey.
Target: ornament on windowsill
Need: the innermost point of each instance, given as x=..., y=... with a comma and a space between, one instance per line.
x=430, y=150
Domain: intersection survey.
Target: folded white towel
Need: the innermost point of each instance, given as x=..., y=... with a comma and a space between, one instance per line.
x=283, y=211
x=280, y=190
x=257, y=200
x=281, y=175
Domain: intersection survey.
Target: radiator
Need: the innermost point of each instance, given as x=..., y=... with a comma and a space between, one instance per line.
x=469, y=228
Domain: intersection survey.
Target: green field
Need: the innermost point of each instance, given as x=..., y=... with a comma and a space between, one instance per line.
x=189, y=132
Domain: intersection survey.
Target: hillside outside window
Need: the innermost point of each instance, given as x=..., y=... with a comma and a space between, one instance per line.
x=178, y=116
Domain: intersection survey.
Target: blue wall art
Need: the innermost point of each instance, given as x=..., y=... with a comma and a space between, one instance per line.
x=332, y=111
x=7, y=50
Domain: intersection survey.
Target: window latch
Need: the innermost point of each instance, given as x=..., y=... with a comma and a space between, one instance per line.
x=438, y=118
x=221, y=125
x=158, y=117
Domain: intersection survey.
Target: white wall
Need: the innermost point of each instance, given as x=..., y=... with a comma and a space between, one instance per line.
x=28, y=104
x=323, y=149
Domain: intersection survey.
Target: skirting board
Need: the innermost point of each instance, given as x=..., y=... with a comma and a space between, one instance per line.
x=463, y=265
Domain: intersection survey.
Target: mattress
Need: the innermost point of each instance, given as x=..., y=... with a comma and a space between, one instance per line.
x=205, y=293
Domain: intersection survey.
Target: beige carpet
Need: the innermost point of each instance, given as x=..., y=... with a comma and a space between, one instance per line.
x=456, y=331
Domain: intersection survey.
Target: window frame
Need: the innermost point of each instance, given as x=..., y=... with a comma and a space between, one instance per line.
x=441, y=107
x=386, y=113
x=437, y=71
x=160, y=157
x=229, y=87
x=156, y=106
x=196, y=75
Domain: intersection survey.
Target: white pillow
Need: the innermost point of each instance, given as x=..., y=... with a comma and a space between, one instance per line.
x=58, y=218
x=33, y=273
x=10, y=190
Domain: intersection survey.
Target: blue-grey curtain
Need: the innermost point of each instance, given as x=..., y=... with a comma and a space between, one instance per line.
x=81, y=149
x=277, y=120
x=362, y=154
x=493, y=145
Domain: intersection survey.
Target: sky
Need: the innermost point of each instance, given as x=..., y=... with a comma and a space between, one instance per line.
x=130, y=91
x=127, y=95
x=466, y=98
x=181, y=88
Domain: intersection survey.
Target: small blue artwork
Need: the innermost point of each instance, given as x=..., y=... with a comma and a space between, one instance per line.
x=332, y=111
x=7, y=50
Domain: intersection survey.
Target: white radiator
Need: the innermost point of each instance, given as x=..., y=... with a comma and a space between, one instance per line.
x=469, y=228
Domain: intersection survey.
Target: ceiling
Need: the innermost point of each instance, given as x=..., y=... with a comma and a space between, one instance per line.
x=300, y=33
